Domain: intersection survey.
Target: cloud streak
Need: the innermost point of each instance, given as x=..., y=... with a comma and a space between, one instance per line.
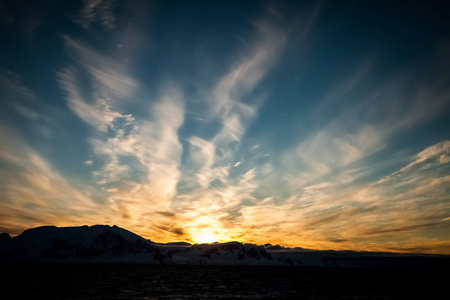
x=35, y=193
x=97, y=10
x=410, y=200
x=125, y=142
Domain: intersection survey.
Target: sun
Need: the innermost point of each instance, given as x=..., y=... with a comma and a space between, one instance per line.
x=206, y=236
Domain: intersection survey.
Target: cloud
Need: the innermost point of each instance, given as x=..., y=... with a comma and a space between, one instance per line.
x=360, y=217
x=97, y=114
x=166, y=213
x=330, y=148
x=34, y=193
x=97, y=10
x=98, y=108
x=429, y=157
x=156, y=146
x=226, y=99
x=111, y=149
x=109, y=82
x=410, y=198
x=147, y=144
x=178, y=231
x=202, y=154
x=211, y=159
x=108, y=75
x=13, y=85
x=159, y=148
x=365, y=121
x=25, y=103
x=27, y=112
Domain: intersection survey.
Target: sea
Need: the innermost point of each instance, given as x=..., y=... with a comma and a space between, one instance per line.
x=126, y=281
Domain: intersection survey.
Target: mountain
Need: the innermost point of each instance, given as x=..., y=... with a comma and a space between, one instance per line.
x=50, y=243
x=105, y=244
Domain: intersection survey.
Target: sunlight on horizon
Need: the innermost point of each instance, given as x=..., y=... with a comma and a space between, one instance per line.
x=206, y=235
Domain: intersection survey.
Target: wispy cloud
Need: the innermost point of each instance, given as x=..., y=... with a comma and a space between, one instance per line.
x=226, y=99
x=34, y=192
x=429, y=157
x=107, y=74
x=13, y=85
x=25, y=103
x=97, y=10
x=227, y=103
x=158, y=147
x=151, y=141
x=109, y=85
x=376, y=116
x=148, y=143
x=411, y=200
x=98, y=113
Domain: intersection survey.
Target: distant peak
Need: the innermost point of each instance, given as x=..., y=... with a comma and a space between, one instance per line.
x=4, y=236
x=40, y=228
x=179, y=243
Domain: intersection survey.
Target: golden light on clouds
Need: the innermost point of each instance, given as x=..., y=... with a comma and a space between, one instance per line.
x=261, y=141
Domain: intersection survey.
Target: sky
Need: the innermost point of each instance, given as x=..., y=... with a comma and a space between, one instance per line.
x=322, y=125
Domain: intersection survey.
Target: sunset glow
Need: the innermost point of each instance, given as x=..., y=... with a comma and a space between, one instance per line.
x=206, y=236
x=321, y=125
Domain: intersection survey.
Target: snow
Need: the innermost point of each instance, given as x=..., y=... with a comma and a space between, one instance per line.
x=105, y=244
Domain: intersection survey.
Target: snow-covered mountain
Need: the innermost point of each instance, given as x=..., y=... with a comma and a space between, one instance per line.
x=105, y=244
x=50, y=243
x=102, y=243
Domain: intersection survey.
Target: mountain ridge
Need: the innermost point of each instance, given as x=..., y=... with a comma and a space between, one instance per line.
x=112, y=244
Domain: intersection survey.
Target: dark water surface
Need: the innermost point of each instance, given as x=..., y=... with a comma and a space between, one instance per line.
x=217, y=282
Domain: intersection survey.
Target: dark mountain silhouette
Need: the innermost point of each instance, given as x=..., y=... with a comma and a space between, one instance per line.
x=105, y=244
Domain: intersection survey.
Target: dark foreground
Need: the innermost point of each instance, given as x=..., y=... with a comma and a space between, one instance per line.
x=224, y=282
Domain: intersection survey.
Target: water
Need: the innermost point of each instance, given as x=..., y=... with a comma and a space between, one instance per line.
x=217, y=282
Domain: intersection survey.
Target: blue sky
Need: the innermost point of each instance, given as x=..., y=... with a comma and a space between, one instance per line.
x=322, y=124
